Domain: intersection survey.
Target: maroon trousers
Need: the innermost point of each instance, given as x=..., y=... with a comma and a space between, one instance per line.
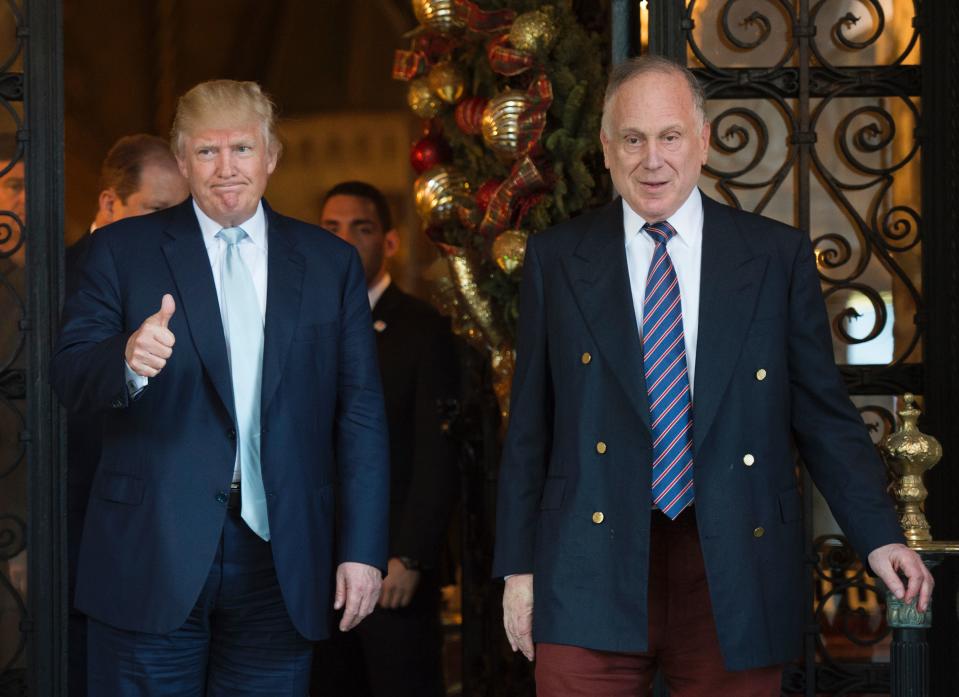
x=682, y=636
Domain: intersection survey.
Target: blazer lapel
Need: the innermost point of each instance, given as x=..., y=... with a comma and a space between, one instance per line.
x=600, y=281
x=284, y=291
x=730, y=280
x=189, y=265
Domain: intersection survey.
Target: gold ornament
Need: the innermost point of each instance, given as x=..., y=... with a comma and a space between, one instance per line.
x=464, y=270
x=500, y=124
x=503, y=362
x=533, y=31
x=438, y=15
x=909, y=453
x=447, y=82
x=509, y=249
x=439, y=193
x=422, y=100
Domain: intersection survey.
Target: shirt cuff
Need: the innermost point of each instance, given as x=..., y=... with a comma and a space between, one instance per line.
x=135, y=383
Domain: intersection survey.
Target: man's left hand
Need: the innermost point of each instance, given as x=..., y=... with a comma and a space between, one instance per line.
x=357, y=588
x=399, y=585
x=888, y=561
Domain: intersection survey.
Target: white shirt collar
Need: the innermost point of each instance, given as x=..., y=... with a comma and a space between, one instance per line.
x=687, y=221
x=377, y=289
x=255, y=227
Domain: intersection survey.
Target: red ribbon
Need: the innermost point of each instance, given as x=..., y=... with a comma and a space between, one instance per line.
x=505, y=59
x=524, y=179
x=533, y=119
x=484, y=21
x=409, y=64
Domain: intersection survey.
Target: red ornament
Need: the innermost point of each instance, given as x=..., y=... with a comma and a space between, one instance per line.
x=428, y=152
x=469, y=115
x=485, y=193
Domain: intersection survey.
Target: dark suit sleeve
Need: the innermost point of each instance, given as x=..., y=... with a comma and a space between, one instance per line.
x=362, y=450
x=88, y=363
x=828, y=429
x=526, y=453
x=433, y=483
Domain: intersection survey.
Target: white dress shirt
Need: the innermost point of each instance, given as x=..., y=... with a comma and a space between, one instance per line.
x=375, y=292
x=685, y=251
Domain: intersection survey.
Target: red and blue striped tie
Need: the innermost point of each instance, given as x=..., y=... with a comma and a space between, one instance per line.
x=667, y=381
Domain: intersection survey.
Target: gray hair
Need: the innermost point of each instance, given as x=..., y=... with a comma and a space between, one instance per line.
x=643, y=65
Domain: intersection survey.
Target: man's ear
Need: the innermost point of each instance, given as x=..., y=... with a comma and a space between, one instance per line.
x=391, y=243
x=105, y=206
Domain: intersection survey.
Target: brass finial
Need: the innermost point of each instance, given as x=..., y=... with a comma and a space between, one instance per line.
x=909, y=453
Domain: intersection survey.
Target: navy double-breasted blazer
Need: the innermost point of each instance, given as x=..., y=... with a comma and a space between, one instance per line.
x=761, y=308
x=157, y=504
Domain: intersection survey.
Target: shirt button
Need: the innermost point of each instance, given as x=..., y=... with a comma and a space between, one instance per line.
x=601, y=448
x=759, y=532
x=221, y=497
x=748, y=460
x=761, y=374
x=598, y=517
x=586, y=358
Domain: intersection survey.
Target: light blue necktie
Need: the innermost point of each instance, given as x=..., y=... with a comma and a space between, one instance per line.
x=667, y=380
x=245, y=329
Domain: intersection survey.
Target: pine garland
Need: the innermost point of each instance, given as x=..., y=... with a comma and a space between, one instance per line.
x=567, y=153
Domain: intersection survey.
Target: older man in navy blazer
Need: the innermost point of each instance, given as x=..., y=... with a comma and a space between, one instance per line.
x=670, y=351
x=229, y=350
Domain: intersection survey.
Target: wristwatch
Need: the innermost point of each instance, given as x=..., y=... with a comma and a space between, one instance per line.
x=410, y=563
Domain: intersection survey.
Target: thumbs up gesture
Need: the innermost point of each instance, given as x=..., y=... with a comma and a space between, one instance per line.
x=150, y=346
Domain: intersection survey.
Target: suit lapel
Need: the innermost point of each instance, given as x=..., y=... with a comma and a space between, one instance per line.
x=730, y=280
x=189, y=265
x=600, y=281
x=284, y=291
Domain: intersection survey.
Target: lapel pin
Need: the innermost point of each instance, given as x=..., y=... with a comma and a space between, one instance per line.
x=379, y=325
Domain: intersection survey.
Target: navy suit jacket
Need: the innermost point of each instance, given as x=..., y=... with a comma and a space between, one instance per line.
x=760, y=308
x=157, y=504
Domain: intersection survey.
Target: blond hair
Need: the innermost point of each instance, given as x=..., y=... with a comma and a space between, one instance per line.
x=224, y=104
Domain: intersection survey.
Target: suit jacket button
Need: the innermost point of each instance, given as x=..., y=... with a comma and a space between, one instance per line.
x=761, y=374
x=586, y=358
x=749, y=460
x=759, y=532
x=601, y=448
x=231, y=434
x=221, y=497
x=598, y=517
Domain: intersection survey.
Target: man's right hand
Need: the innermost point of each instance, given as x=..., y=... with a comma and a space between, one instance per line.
x=150, y=346
x=518, y=613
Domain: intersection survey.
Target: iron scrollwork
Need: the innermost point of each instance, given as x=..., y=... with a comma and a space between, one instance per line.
x=13, y=459
x=850, y=121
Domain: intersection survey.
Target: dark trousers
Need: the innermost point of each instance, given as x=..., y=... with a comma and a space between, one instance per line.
x=682, y=636
x=238, y=639
x=395, y=653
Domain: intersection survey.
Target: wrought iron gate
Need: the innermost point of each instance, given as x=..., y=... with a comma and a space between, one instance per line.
x=32, y=553
x=818, y=120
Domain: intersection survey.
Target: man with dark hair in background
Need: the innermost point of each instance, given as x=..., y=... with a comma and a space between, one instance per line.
x=397, y=650
x=139, y=175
